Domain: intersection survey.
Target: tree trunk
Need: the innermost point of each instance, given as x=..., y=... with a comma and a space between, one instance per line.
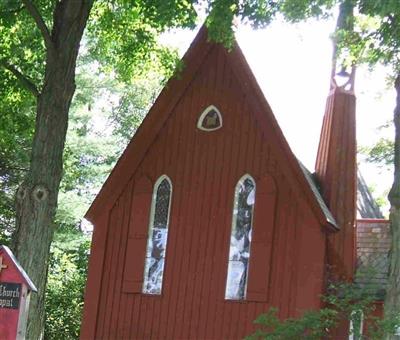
x=392, y=300
x=36, y=200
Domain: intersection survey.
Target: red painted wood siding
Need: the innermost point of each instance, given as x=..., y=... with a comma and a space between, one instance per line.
x=204, y=168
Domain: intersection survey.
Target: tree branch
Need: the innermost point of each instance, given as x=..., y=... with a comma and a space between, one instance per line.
x=24, y=81
x=33, y=11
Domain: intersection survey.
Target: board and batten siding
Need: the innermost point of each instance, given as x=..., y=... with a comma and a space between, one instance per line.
x=204, y=168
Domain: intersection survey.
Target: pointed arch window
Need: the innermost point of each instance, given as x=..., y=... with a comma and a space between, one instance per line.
x=240, y=241
x=158, y=236
x=210, y=119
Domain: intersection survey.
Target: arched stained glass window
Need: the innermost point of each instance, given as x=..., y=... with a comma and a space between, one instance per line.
x=239, y=253
x=210, y=119
x=158, y=235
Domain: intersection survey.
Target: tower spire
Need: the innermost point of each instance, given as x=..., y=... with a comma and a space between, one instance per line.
x=336, y=166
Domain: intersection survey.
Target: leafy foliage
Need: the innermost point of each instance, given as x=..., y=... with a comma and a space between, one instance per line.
x=17, y=29
x=312, y=325
x=134, y=102
x=17, y=105
x=123, y=35
x=384, y=41
x=298, y=10
x=381, y=153
x=344, y=301
x=66, y=283
x=16, y=128
x=222, y=15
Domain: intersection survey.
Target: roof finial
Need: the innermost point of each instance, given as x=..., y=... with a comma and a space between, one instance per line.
x=344, y=79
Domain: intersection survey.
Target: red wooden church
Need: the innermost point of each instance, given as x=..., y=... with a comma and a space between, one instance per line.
x=208, y=219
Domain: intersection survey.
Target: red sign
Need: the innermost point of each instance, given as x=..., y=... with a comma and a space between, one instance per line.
x=15, y=289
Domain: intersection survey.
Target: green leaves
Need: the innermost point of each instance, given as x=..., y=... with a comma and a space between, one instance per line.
x=16, y=128
x=220, y=21
x=313, y=325
x=163, y=14
x=381, y=153
x=259, y=13
x=21, y=43
x=122, y=35
x=222, y=15
x=66, y=283
x=345, y=301
x=298, y=10
x=376, y=36
x=134, y=102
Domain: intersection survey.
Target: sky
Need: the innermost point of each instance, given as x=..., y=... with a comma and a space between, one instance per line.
x=292, y=64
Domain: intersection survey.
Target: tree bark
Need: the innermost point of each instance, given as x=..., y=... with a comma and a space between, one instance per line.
x=36, y=200
x=392, y=299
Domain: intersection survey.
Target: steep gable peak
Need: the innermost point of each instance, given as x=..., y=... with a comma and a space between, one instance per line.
x=196, y=56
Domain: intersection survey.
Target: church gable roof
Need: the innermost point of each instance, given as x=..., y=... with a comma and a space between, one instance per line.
x=268, y=122
x=150, y=126
x=168, y=99
x=4, y=250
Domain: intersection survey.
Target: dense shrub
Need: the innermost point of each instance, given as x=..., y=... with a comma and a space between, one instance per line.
x=344, y=301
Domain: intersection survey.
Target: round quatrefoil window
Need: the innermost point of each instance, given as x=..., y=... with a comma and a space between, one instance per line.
x=210, y=119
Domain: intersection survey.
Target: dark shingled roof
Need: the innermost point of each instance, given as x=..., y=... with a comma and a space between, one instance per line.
x=373, y=245
x=313, y=185
x=366, y=205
